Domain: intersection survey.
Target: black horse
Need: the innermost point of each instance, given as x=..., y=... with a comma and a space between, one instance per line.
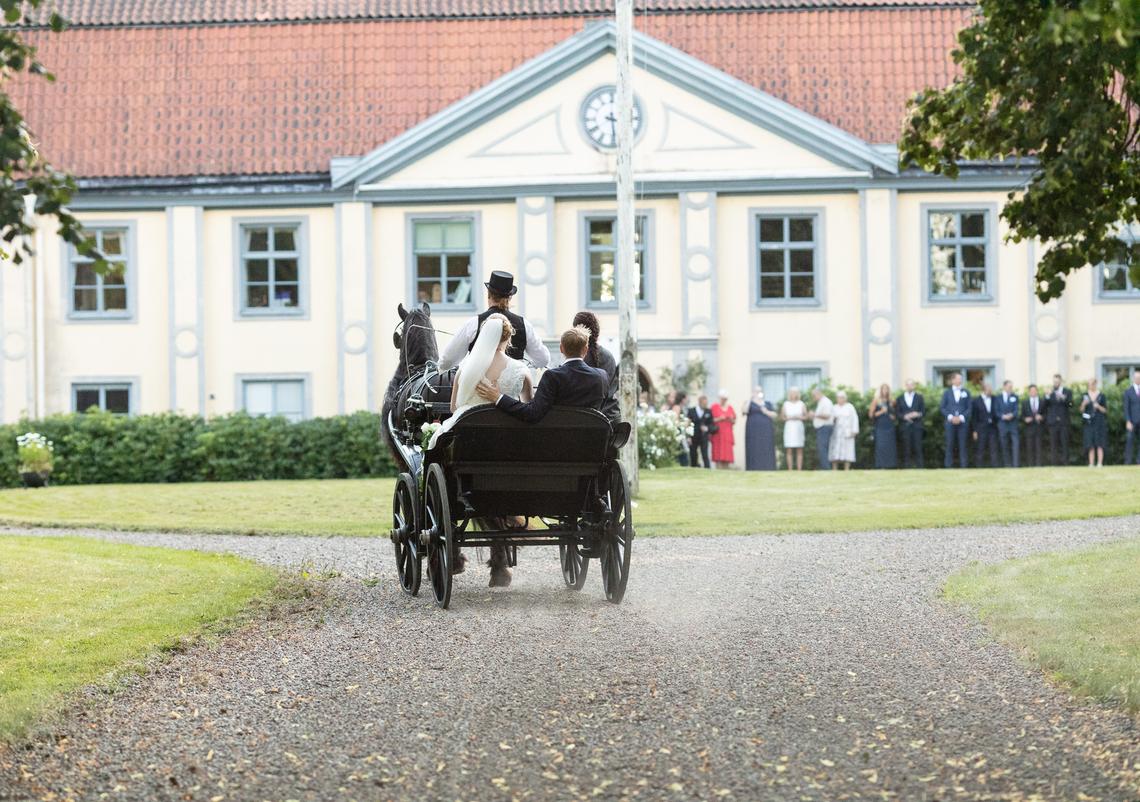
x=417, y=377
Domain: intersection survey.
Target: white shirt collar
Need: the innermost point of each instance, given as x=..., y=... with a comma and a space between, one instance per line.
x=568, y=360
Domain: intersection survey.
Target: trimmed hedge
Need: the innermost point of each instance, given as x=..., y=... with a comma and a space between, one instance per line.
x=97, y=447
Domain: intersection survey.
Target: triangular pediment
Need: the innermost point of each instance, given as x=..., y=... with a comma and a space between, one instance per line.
x=542, y=121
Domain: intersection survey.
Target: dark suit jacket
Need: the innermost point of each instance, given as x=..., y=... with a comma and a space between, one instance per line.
x=1027, y=411
x=573, y=384
x=1059, y=410
x=949, y=407
x=611, y=408
x=1003, y=408
x=918, y=406
x=982, y=420
x=700, y=417
x=1132, y=405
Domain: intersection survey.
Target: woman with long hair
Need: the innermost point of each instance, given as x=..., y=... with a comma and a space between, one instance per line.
x=598, y=357
x=883, y=416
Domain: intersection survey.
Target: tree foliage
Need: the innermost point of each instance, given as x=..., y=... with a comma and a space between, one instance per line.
x=22, y=172
x=1051, y=84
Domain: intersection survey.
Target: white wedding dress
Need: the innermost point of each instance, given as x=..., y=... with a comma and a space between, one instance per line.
x=474, y=367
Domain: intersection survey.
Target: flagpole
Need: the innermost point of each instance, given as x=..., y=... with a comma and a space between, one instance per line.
x=625, y=249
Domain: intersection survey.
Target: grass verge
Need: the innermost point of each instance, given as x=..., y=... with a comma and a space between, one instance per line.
x=677, y=501
x=1075, y=614
x=75, y=612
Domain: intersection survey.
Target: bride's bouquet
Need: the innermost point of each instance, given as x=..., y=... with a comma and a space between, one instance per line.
x=426, y=431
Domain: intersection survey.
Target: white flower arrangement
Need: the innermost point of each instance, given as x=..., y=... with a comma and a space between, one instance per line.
x=36, y=452
x=661, y=437
x=426, y=432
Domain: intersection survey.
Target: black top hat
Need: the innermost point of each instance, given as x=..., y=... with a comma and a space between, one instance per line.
x=501, y=283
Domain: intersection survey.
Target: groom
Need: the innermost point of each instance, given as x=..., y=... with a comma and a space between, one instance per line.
x=573, y=383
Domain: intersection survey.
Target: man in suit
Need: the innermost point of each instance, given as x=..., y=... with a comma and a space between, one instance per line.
x=984, y=418
x=1033, y=413
x=572, y=384
x=1058, y=411
x=911, y=410
x=955, y=409
x=525, y=341
x=1008, y=409
x=1132, y=420
x=702, y=419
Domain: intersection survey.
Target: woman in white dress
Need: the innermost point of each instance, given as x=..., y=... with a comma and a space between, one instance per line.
x=487, y=360
x=793, y=412
x=842, y=448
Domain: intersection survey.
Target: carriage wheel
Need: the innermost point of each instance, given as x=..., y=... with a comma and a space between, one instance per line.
x=618, y=539
x=575, y=565
x=406, y=534
x=441, y=536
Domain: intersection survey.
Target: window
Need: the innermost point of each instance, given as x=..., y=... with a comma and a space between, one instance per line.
x=786, y=259
x=1112, y=374
x=271, y=262
x=601, y=255
x=106, y=295
x=958, y=254
x=272, y=397
x=973, y=376
x=113, y=398
x=777, y=381
x=1113, y=279
x=443, y=253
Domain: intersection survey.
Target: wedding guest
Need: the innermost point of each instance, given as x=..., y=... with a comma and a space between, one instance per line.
x=1132, y=420
x=984, y=420
x=1033, y=413
x=955, y=410
x=681, y=411
x=1094, y=409
x=702, y=419
x=911, y=408
x=793, y=412
x=823, y=421
x=1058, y=411
x=882, y=414
x=723, y=439
x=597, y=356
x=759, y=433
x=842, y=449
x=1008, y=436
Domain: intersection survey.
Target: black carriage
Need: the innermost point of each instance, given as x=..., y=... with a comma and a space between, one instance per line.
x=493, y=480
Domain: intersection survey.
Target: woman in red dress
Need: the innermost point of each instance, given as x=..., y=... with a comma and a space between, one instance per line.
x=723, y=440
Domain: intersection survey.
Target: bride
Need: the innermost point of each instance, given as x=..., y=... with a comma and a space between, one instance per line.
x=487, y=360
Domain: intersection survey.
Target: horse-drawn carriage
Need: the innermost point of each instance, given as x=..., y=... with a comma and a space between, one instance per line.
x=491, y=480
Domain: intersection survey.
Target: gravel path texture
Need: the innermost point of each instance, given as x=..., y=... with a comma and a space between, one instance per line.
x=808, y=667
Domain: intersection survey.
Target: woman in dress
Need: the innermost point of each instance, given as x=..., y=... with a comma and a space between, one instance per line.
x=759, y=434
x=1094, y=409
x=487, y=359
x=723, y=440
x=842, y=449
x=793, y=413
x=600, y=357
x=883, y=424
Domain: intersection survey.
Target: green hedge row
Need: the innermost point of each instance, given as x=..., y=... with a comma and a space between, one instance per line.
x=97, y=447
x=933, y=435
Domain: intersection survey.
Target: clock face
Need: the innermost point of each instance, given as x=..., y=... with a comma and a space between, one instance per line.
x=599, y=117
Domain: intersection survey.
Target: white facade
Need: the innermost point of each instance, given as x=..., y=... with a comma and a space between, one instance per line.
x=743, y=200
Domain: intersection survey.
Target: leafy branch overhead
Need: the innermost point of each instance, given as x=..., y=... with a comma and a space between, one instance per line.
x=1053, y=85
x=22, y=172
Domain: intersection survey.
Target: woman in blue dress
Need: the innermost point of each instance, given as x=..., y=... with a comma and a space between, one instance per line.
x=759, y=434
x=883, y=425
x=1094, y=409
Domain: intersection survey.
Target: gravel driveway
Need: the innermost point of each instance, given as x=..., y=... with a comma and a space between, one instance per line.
x=776, y=668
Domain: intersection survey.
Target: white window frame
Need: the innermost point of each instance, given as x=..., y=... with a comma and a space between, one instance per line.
x=1131, y=293
x=475, y=221
x=819, y=262
x=102, y=384
x=989, y=210
x=71, y=257
x=243, y=379
x=992, y=367
x=648, y=256
x=301, y=240
x=1112, y=363
x=787, y=368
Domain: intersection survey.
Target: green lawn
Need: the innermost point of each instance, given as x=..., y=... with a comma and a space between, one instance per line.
x=672, y=502
x=1077, y=614
x=75, y=612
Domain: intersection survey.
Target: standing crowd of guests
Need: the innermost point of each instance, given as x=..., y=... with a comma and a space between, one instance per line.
x=1000, y=428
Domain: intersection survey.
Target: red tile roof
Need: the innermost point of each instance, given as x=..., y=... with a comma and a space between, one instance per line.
x=285, y=98
x=180, y=12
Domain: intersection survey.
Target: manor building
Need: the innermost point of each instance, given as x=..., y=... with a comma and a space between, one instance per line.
x=272, y=178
